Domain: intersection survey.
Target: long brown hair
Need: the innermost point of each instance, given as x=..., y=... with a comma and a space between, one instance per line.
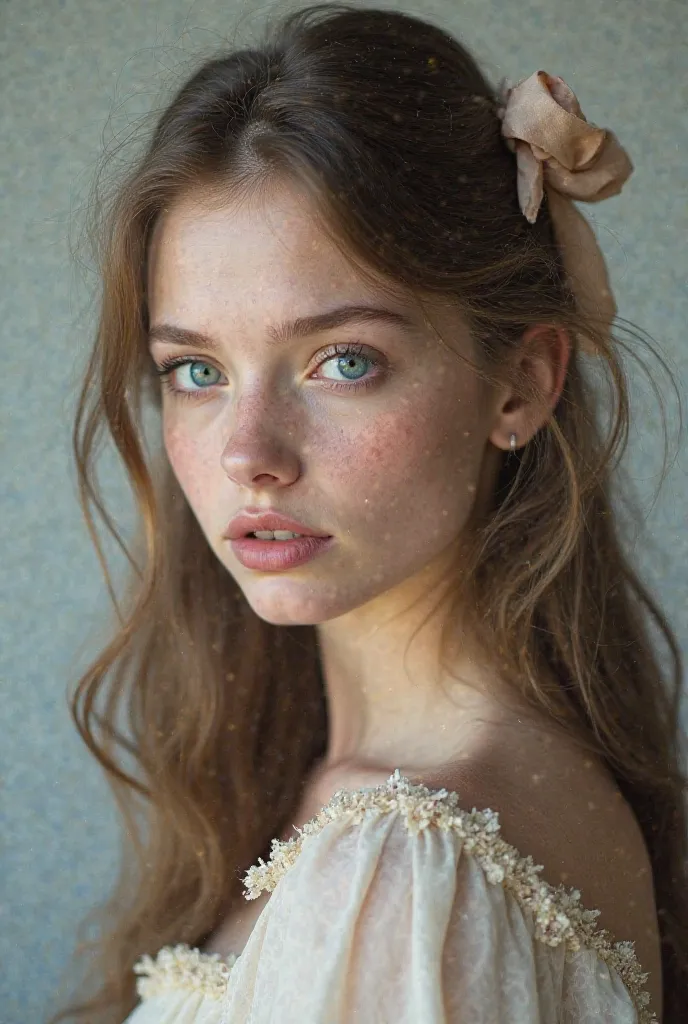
x=205, y=718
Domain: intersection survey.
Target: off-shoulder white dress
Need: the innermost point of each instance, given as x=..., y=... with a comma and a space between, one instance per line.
x=395, y=906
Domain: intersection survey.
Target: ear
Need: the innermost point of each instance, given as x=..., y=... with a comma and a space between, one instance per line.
x=540, y=363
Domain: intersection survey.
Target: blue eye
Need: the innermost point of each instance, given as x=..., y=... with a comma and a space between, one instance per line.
x=198, y=372
x=346, y=357
x=203, y=375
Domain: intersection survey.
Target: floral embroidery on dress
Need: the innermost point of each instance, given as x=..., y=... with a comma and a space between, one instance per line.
x=557, y=913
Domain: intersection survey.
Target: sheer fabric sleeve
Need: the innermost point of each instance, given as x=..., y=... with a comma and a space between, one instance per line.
x=396, y=905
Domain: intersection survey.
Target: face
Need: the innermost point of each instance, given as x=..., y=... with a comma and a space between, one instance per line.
x=371, y=432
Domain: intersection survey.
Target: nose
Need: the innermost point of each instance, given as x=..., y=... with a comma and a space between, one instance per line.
x=260, y=450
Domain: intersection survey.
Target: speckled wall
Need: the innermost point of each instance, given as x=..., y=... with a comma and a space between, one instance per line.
x=74, y=74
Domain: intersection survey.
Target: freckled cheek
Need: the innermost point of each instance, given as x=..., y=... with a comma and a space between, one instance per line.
x=190, y=460
x=407, y=465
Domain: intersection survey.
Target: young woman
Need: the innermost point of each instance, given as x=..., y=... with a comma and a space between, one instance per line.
x=419, y=764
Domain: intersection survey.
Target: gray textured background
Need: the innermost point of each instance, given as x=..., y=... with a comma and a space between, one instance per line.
x=73, y=75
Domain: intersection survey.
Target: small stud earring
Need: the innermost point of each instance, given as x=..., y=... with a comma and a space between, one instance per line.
x=513, y=442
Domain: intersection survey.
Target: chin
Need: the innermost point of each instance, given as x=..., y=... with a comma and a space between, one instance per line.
x=289, y=602
x=284, y=614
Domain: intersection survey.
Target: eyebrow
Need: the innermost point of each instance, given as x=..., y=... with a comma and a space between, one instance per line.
x=301, y=327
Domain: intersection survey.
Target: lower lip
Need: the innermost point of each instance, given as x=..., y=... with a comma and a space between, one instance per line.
x=274, y=555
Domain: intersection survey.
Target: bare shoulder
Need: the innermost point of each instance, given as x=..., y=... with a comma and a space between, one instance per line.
x=563, y=807
x=557, y=804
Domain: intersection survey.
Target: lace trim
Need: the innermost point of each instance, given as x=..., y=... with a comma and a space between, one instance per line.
x=556, y=911
x=181, y=967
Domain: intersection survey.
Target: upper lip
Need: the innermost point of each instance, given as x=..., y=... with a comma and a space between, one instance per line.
x=249, y=522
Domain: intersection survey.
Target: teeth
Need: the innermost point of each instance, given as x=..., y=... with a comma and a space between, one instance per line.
x=276, y=535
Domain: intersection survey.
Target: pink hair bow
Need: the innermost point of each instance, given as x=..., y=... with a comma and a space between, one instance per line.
x=557, y=149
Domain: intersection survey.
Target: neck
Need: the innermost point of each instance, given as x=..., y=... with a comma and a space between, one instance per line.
x=390, y=708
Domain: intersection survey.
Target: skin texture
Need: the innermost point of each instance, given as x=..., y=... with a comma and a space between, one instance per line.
x=392, y=471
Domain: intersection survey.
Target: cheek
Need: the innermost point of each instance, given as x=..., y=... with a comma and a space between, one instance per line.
x=413, y=464
x=192, y=465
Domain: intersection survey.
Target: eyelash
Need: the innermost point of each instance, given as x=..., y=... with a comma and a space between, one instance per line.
x=164, y=370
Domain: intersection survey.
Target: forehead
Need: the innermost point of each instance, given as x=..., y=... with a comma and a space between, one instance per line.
x=250, y=255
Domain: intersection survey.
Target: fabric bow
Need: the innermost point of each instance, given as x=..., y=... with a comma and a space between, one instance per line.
x=557, y=149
